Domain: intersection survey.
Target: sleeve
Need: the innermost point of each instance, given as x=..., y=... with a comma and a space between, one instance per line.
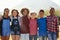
x=47, y=22
x=57, y=24
x=20, y=20
x=37, y=23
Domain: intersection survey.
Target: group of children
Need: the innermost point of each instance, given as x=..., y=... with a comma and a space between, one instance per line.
x=26, y=27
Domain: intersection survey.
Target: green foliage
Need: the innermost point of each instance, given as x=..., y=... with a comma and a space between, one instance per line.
x=57, y=12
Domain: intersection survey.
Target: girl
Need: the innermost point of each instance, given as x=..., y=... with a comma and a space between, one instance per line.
x=15, y=28
x=25, y=24
x=33, y=27
x=6, y=25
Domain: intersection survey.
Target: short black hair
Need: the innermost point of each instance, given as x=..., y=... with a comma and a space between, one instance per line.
x=52, y=8
x=41, y=11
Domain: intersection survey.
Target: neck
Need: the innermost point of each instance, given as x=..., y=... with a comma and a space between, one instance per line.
x=25, y=15
x=41, y=17
x=32, y=18
x=51, y=15
x=6, y=16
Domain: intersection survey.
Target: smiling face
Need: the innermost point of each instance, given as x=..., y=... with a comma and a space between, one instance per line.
x=33, y=15
x=41, y=14
x=52, y=11
x=14, y=13
x=25, y=12
x=6, y=12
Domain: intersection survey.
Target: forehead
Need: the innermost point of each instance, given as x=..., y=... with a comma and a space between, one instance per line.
x=6, y=10
x=41, y=13
x=25, y=10
x=14, y=11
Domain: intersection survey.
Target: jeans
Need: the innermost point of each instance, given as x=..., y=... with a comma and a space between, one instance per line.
x=52, y=36
x=31, y=37
x=42, y=38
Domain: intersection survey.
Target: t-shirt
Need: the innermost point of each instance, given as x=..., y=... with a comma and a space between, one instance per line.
x=42, y=26
x=33, y=26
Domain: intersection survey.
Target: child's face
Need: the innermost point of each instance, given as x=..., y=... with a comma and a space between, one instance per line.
x=52, y=11
x=25, y=12
x=41, y=14
x=14, y=13
x=33, y=16
x=6, y=12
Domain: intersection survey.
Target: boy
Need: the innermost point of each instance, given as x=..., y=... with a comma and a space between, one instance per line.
x=52, y=25
x=42, y=26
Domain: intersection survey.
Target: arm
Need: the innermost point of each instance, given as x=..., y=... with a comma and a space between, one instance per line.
x=57, y=24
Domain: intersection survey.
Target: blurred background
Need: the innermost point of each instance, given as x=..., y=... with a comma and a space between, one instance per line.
x=32, y=5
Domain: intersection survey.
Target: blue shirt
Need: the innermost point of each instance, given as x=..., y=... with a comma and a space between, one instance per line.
x=42, y=26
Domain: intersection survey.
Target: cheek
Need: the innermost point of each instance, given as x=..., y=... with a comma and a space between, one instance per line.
x=25, y=12
x=6, y=13
x=14, y=14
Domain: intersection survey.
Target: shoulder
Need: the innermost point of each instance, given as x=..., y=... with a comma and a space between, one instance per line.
x=38, y=19
x=44, y=17
x=47, y=16
x=56, y=18
x=9, y=18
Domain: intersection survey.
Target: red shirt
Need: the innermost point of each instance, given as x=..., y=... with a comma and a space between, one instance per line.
x=33, y=27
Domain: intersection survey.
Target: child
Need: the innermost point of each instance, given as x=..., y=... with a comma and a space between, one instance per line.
x=25, y=24
x=1, y=27
x=42, y=26
x=52, y=25
x=33, y=27
x=15, y=28
x=6, y=25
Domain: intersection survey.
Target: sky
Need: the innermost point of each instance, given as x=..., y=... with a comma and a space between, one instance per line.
x=33, y=5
